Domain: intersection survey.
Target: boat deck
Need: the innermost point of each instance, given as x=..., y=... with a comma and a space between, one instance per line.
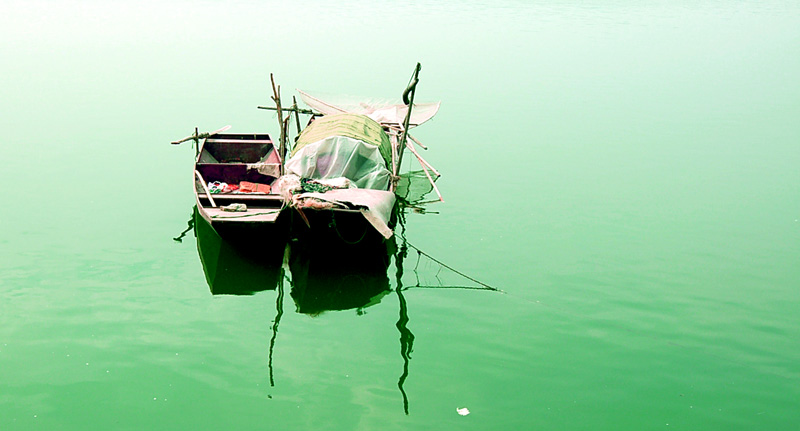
x=243, y=197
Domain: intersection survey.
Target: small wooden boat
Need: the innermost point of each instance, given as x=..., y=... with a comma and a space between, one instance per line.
x=233, y=176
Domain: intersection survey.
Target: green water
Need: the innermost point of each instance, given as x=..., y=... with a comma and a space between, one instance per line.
x=627, y=172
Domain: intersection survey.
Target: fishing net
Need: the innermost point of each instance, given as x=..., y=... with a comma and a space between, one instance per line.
x=418, y=269
x=413, y=187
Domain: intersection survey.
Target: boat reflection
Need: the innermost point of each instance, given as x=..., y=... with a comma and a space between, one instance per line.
x=328, y=273
x=251, y=265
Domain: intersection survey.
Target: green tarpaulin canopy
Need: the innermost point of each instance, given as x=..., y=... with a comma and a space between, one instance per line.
x=353, y=126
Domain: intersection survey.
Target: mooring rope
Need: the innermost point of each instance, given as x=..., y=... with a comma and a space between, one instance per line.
x=336, y=229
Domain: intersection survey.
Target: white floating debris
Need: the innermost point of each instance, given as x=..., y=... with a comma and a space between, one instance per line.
x=463, y=411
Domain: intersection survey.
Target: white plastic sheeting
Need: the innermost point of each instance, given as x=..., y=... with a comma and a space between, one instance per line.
x=381, y=110
x=340, y=156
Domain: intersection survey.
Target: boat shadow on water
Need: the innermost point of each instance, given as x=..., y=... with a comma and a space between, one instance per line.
x=338, y=267
x=323, y=273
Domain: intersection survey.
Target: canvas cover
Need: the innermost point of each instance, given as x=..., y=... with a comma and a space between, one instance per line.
x=375, y=205
x=341, y=156
x=355, y=126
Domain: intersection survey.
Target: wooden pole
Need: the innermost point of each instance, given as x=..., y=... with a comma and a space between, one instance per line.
x=196, y=138
x=300, y=110
x=286, y=134
x=276, y=97
x=296, y=114
x=408, y=97
x=400, y=128
x=433, y=183
x=422, y=161
x=417, y=142
x=205, y=187
x=393, y=138
x=425, y=166
x=411, y=148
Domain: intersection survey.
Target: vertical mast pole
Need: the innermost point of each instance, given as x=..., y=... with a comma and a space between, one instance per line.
x=408, y=98
x=296, y=113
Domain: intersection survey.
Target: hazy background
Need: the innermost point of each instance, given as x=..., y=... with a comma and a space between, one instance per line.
x=626, y=171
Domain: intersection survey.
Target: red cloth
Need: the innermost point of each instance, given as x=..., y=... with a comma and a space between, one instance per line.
x=248, y=187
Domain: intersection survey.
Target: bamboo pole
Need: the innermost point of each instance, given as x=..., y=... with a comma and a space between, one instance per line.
x=399, y=128
x=393, y=138
x=205, y=187
x=417, y=142
x=408, y=97
x=286, y=133
x=322, y=102
x=296, y=114
x=276, y=97
x=395, y=178
x=428, y=202
x=427, y=174
x=422, y=161
x=425, y=166
x=299, y=110
x=198, y=136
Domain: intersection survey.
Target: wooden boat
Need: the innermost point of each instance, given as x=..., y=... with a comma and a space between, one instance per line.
x=341, y=172
x=230, y=161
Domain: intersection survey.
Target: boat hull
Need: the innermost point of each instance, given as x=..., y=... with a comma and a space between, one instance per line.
x=256, y=224
x=237, y=267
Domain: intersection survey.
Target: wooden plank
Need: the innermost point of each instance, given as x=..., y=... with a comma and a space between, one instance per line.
x=258, y=215
x=239, y=141
x=205, y=188
x=241, y=136
x=245, y=197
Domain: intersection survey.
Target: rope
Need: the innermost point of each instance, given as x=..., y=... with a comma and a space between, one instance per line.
x=336, y=228
x=422, y=253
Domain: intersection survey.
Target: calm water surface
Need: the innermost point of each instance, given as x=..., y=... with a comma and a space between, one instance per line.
x=627, y=172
